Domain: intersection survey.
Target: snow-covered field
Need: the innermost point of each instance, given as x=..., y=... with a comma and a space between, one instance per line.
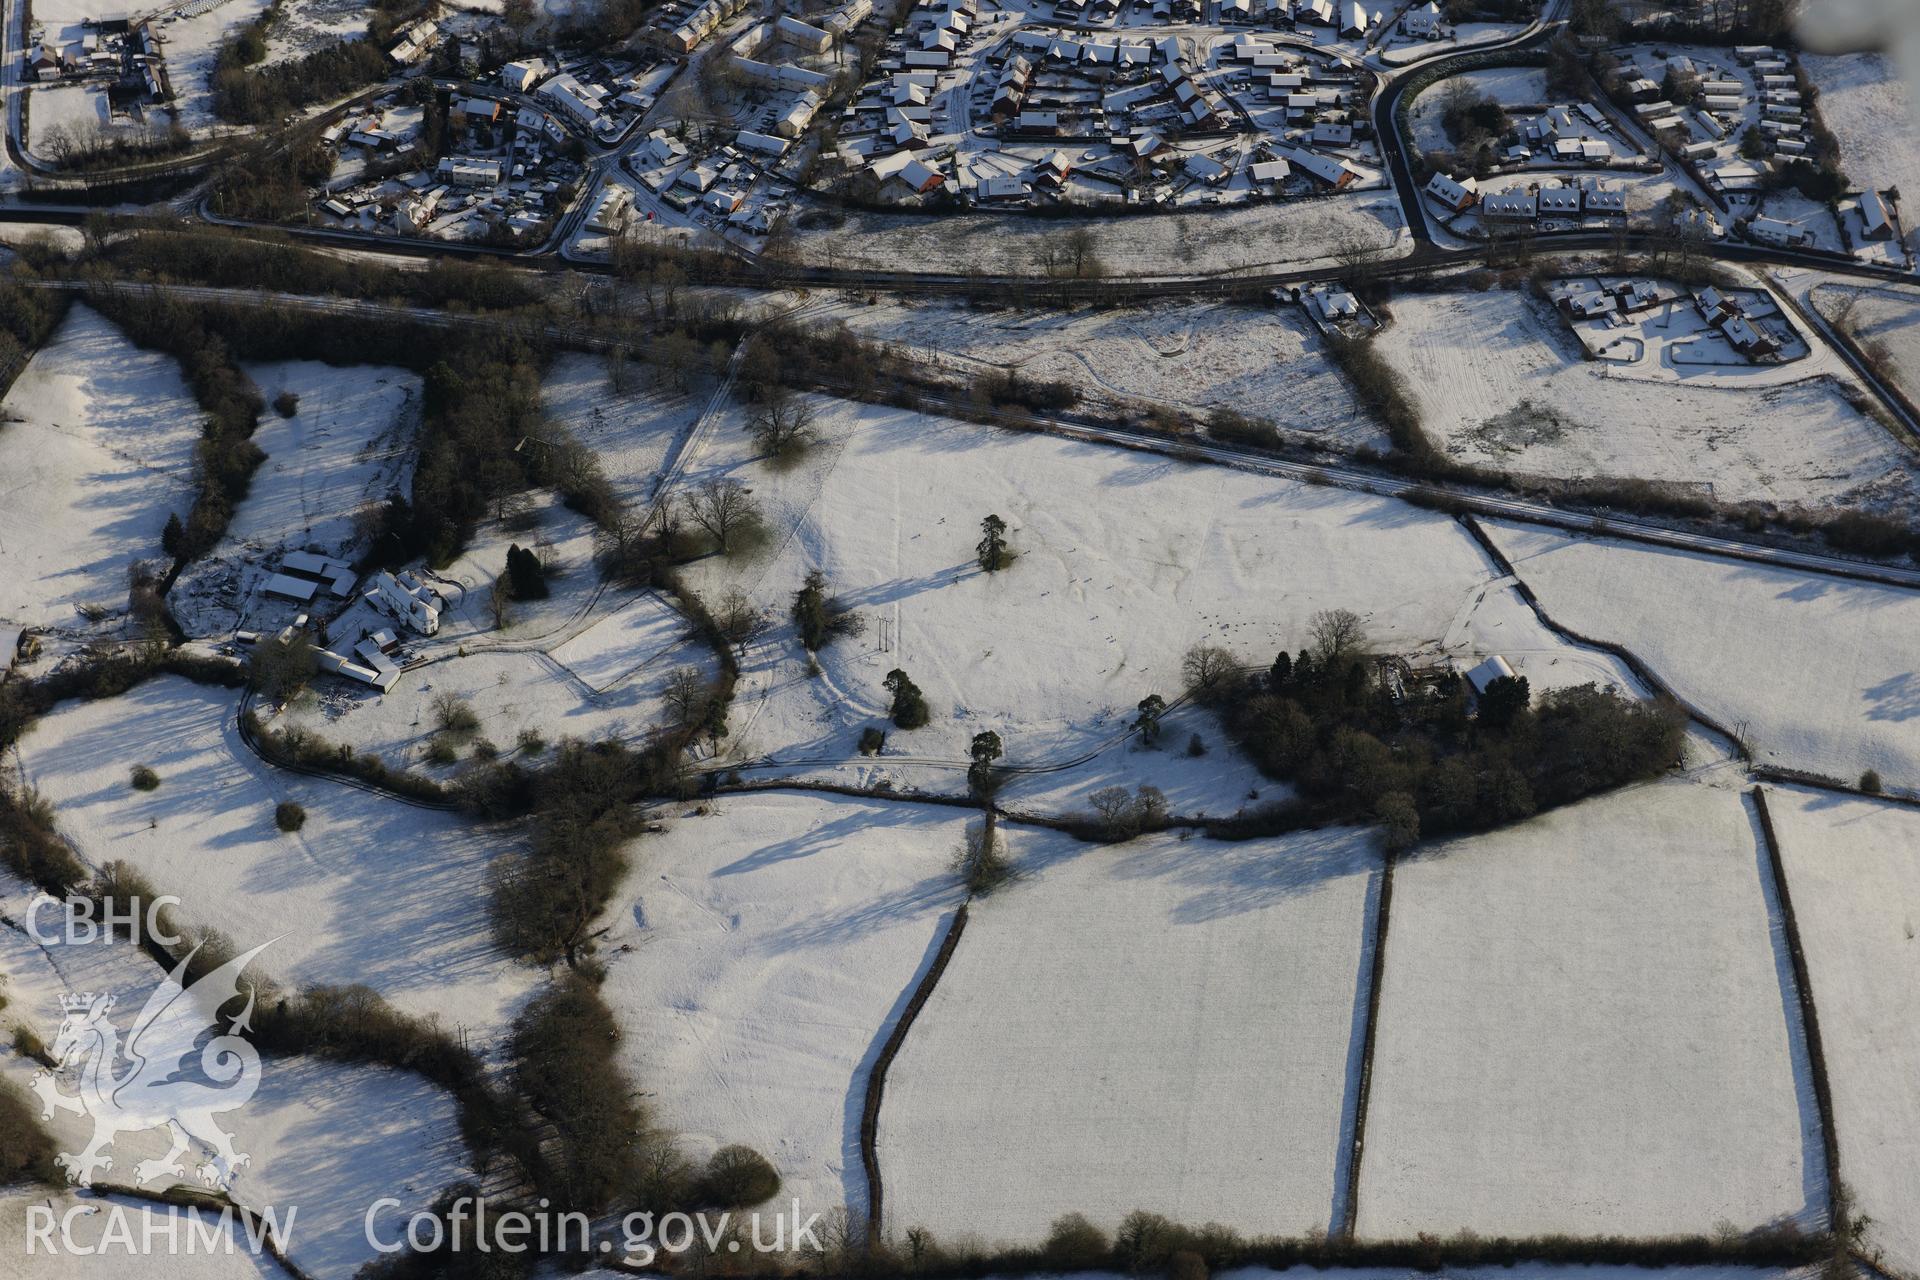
x=632, y=432
x=1587, y=1026
x=1205, y=243
x=1124, y=561
x=370, y=891
x=1864, y=101
x=1853, y=870
x=306, y=25
x=190, y=45
x=79, y=111
x=756, y=961
x=1884, y=320
x=1503, y=383
x=1817, y=673
x=324, y=1139
x=96, y=450
x=1219, y=782
x=603, y=655
x=1259, y=361
x=1171, y=1026
x=347, y=445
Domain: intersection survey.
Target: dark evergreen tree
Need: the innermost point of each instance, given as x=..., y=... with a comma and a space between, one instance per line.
x=1503, y=702
x=909, y=704
x=526, y=576
x=1147, y=724
x=993, y=544
x=986, y=749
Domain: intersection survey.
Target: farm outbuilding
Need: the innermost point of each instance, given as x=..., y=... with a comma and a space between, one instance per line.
x=1484, y=674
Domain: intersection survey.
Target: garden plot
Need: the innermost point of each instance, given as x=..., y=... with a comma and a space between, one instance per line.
x=632, y=432
x=370, y=891
x=319, y=1134
x=1853, y=871
x=1124, y=561
x=1172, y=1025
x=63, y=116
x=1508, y=86
x=1501, y=383
x=1587, y=1026
x=757, y=959
x=1295, y=233
x=1261, y=362
x=1817, y=673
x=96, y=451
x=1813, y=217
x=1864, y=101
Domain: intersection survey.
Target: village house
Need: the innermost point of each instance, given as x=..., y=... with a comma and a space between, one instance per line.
x=1876, y=221
x=1456, y=197
x=1509, y=206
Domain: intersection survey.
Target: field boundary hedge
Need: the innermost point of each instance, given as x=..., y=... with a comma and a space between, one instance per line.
x=1809, y=1014
x=877, y=1078
x=1370, y=1037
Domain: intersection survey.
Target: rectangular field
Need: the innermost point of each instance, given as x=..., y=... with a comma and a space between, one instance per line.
x=1853, y=871
x=1293, y=233
x=757, y=959
x=1262, y=361
x=1587, y=1026
x=1170, y=1025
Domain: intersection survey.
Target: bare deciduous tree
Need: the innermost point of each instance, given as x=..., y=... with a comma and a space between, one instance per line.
x=686, y=696
x=1206, y=667
x=725, y=509
x=740, y=620
x=782, y=424
x=677, y=357
x=1335, y=633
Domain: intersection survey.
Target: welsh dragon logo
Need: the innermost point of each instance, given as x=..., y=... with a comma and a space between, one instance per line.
x=162, y=1077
